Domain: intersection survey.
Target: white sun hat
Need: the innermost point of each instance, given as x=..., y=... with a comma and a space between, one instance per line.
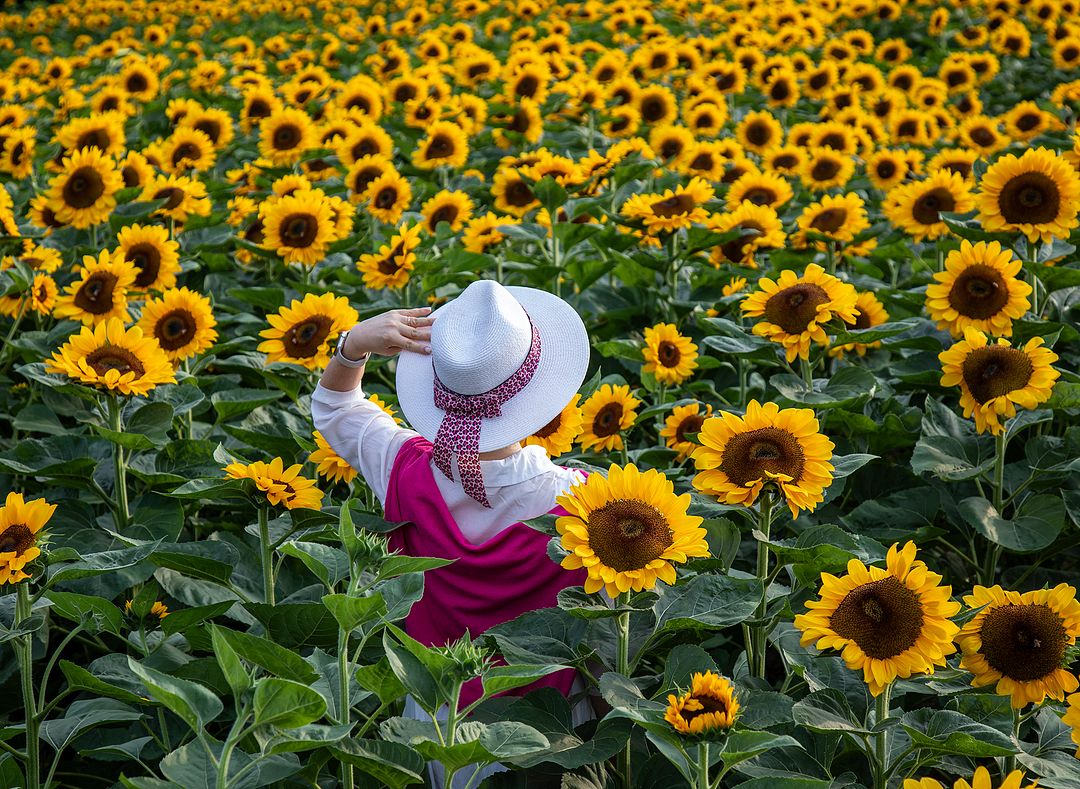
x=481, y=339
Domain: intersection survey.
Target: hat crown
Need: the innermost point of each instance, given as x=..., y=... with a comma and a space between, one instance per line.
x=480, y=338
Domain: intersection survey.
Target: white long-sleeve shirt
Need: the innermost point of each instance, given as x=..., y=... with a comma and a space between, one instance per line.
x=519, y=487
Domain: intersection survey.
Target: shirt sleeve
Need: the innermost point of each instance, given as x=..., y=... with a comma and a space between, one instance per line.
x=364, y=435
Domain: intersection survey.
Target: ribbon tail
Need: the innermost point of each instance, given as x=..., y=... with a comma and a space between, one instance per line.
x=440, y=453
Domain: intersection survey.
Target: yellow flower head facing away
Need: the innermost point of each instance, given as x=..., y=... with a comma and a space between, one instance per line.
x=628, y=530
x=709, y=706
x=889, y=622
x=979, y=780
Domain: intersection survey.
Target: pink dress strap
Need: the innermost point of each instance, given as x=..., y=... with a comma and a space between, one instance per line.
x=488, y=584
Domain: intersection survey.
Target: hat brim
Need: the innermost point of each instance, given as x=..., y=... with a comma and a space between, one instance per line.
x=564, y=360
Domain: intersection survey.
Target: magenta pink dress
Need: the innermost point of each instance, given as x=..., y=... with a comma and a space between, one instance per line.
x=488, y=584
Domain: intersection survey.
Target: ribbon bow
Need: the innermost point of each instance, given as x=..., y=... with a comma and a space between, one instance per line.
x=459, y=432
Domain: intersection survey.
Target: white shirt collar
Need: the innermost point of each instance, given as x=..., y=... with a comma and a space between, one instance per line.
x=528, y=462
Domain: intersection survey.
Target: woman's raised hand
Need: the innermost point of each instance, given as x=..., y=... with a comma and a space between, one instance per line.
x=391, y=332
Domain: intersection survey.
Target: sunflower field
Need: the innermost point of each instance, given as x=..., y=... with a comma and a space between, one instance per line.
x=827, y=256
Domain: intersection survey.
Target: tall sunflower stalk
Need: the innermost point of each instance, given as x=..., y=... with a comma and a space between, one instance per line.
x=116, y=424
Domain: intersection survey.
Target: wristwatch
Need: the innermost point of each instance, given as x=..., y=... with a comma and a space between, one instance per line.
x=339, y=353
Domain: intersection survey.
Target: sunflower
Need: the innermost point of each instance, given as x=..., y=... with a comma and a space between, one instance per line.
x=182, y=322
x=103, y=131
x=511, y=192
x=708, y=706
x=1037, y=194
x=135, y=170
x=761, y=189
x=1071, y=718
x=453, y=208
x=183, y=196
x=606, y=414
x=18, y=152
x=482, y=232
x=303, y=332
x=111, y=357
x=682, y=421
x=388, y=197
x=672, y=210
x=764, y=231
x=187, y=149
x=281, y=485
x=158, y=609
x=330, y=464
x=20, y=523
x=979, y=288
x=1020, y=642
x=285, y=135
x=994, y=379
x=704, y=158
x=793, y=308
x=558, y=435
x=916, y=208
x=628, y=531
x=100, y=293
x=445, y=144
x=298, y=227
x=363, y=172
x=891, y=623
x=870, y=313
x=826, y=168
x=886, y=168
x=759, y=131
x=669, y=356
x=43, y=294
x=154, y=255
x=84, y=194
x=259, y=103
x=390, y=266
x=738, y=456
x=980, y=780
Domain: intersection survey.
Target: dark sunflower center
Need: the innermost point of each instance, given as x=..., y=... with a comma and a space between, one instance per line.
x=550, y=428
x=16, y=538
x=1023, y=642
x=130, y=176
x=653, y=109
x=691, y=424
x=440, y=147
x=758, y=133
x=963, y=169
x=389, y=264
x=17, y=153
x=520, y=122
x=883, y=617
x=703, y=161
x=444, y=213
x=258, y=108
x=175, y=329
x=255, y=233
x=886, y=169
x=675, y=205
x=607, y=420
x=1027, y=122
x=111, y=357
x=136, y=83
x=94, y=137
x=185, y=151
x=83, y=188
x=172, y=195
x=668, y=354
x=862, y=320
x=928, y=207
x=670, y=148
x=386, y=198
x=305, y=338
x=982, y=136
x=824, y=169
x=519, y=194
x=761, y=195
x=794, y=308
x=285, y=137
x=737, y=249
x=96, y=294
x=768, y=450
x=627, y=534
x=785, y=161
x=210, y=128
x=708, y=704
x=299, y=230
x=979, y=292
x=364, y=177
x=996, y=370
x=1031, y=198
x=147, y=259
x=527, y=86
x=830, y=220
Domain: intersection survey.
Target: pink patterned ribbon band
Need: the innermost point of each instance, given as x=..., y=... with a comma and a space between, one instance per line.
x=459, y=433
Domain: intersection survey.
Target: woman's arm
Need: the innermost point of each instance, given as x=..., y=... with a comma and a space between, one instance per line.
x=386, y=334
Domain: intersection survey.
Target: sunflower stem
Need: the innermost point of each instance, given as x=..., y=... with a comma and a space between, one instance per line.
x=881, y=745
x=23, y=308
x=830, y=258
x=703, y=766
x=1010, y=761
x=941, y=253
x=993, y=551
x=807, y=374
x=622, y=666
x=116, y=424
x=344, y=714
x=266, y=555
x=23, y=610
x=758, y=634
